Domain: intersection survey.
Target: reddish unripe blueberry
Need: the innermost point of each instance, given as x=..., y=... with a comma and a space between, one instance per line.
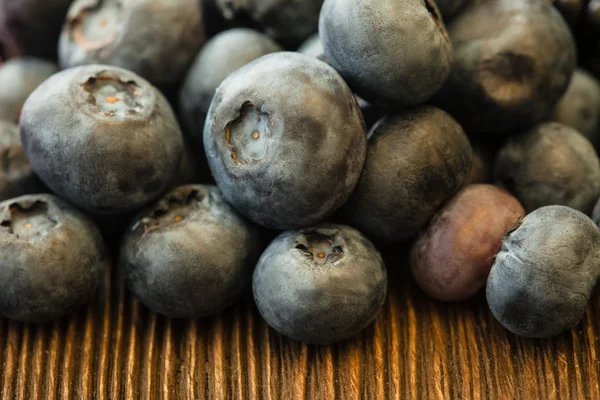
x=452, y=257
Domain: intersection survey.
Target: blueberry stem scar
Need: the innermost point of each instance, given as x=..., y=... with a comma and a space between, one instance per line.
x=242, y=148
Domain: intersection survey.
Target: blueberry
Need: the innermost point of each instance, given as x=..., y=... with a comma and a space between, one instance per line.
x=543, y=277
x=513, y=60
x=102, y=137
x=285, y=140
x=580, y=106
x=320, y=285
x=18, y=78
x=16, y=175
x=222, y=55
x=289, y=22
x=157, y=39
x=452, y=257
x=416, y=160
x=32, y=27
x=52, y=258
x=551, y=164
x=391, y=53
x=190, y=254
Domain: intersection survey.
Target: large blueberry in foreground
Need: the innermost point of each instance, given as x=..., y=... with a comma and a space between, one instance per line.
x=190, y=254
x=285, y=140
x=157, y=39
x=52, y=258
x=102, y=137
x=16, y=175
x=320, y=285
x=543, y=277
x=222, y=55
x=392, y=53
x=416, y=160
x=18, y=78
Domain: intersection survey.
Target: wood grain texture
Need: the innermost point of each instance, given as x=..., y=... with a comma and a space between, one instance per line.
x=417, y=348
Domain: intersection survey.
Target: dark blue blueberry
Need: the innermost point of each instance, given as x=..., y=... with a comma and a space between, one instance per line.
x=190, y=254
x=513, y=60
x=32, y=27
x=102, y=137
x=285, y=140
x=416, y=160
x=543, y=277
x=16, y=175
x=157, y=39
x=320, y=285
x=289, y=22
x=222, y=55
x=52, y=258
x=18, y=78
x=391, y=53
x=551, y=164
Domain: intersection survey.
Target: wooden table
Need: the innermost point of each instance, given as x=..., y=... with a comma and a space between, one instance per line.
x=416, y=349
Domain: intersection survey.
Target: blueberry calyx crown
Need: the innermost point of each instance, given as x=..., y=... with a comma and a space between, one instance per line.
x=174, y=208
x=246, y=136
x=81, y=26
x=112, y=96
x=27, y=220
x=321, y=247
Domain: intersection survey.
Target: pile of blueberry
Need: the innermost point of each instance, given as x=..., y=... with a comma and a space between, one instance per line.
x=462, y=127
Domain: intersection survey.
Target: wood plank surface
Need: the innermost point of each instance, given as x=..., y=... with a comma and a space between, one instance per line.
x=417, y=348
